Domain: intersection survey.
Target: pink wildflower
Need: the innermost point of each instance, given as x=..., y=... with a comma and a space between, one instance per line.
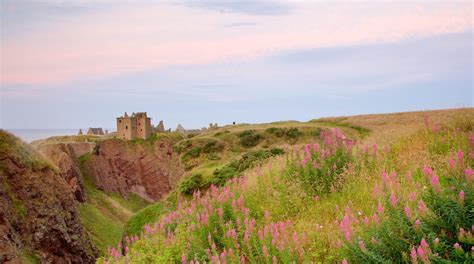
x=422, y=206
x=452, y=164
x=265, y=251
x=436, y=241
x=424, y=244
x=410, y=176
x=344, y=261
x=435, y=183
x=468, y=173
x=385, y=178
x=375, y=218
x=460, y=155
x=417, y=223
x=183, y=259
x=220, y=212
x=366, y=220
x=274, y=260
x=413, y=255
x=361, y=245
x=461, y=196
x=348, y=235
x=420, y=252
x=393, y=200
x=407, y=212
x=456, y=246
x=380, y=208
x=427, y=171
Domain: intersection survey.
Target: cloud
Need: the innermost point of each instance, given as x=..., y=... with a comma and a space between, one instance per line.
x=240, y=24
x=136, y=38
x=248, y=7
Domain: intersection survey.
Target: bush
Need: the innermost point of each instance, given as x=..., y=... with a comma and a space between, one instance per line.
x=213, y=146
x=291, y=133
x=191, y=184
x=250, y=159
x=320, y=170
x=192, y=153
x=442, y=229
x=249, y=138
x=213, y=156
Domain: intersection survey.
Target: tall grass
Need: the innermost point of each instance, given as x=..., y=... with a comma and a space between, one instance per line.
x=335, y=200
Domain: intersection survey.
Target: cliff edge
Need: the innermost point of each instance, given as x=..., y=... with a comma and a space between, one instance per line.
x=38, y=213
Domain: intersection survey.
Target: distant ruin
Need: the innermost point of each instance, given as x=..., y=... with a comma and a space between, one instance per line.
x=138, y=125
x=95, y=131
x=160, y=127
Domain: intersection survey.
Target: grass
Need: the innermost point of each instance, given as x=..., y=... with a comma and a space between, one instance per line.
x=104, y=214
x=147, y=215
x=28, y=257
x=198, y=228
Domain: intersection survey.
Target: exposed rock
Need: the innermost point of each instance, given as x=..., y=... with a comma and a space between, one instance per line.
x=38, y=211
x=63, y=155
x=150, y=170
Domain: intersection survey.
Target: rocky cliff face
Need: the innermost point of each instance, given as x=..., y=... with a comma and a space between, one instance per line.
x=147, y=169
x=38, y=211
x=64, y=156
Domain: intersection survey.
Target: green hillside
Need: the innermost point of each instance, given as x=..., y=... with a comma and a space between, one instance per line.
x=363, y=189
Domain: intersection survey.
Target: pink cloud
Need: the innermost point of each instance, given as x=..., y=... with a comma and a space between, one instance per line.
x=128, y=40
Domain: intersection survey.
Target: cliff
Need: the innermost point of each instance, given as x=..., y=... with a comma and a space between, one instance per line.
x=148, y=169
x=38, y=212
x=64, y=156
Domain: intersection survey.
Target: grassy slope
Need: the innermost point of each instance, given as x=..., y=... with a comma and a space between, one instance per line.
x=408, y=150
x=228, y=135
x=105, y=214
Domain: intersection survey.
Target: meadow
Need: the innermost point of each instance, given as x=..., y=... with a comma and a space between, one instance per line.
x=391, y=189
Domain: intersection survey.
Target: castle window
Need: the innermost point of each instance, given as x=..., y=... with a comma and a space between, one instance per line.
x=120, y=121
x=126, y=127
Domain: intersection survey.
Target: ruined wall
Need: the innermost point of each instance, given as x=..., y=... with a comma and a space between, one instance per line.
x=126, y=128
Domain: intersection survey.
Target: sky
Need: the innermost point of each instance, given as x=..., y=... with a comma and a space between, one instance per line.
x=79, y=64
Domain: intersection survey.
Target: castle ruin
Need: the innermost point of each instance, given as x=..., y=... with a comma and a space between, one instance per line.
x=138, y=125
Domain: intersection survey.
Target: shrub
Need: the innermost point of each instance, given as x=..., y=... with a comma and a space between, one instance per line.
x=213, y=146
x=192, y=153
x=437, y=228
x=320, y=170
x=249, y=138
x=250, y=159
x=213, y=156
x=293, y=133
x=191, y=184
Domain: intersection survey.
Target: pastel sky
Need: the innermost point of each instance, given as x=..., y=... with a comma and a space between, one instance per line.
x=71, y=64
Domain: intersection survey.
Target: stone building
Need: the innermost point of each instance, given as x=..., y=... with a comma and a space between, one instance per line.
x=95, y=131
x=138, y=125
x=160, y=127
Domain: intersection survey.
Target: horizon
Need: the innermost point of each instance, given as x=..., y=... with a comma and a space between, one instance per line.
x=70, y=65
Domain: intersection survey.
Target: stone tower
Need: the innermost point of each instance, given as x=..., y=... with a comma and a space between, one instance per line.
x=138, y=125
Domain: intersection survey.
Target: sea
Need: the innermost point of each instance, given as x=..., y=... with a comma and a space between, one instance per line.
x=29, y=135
